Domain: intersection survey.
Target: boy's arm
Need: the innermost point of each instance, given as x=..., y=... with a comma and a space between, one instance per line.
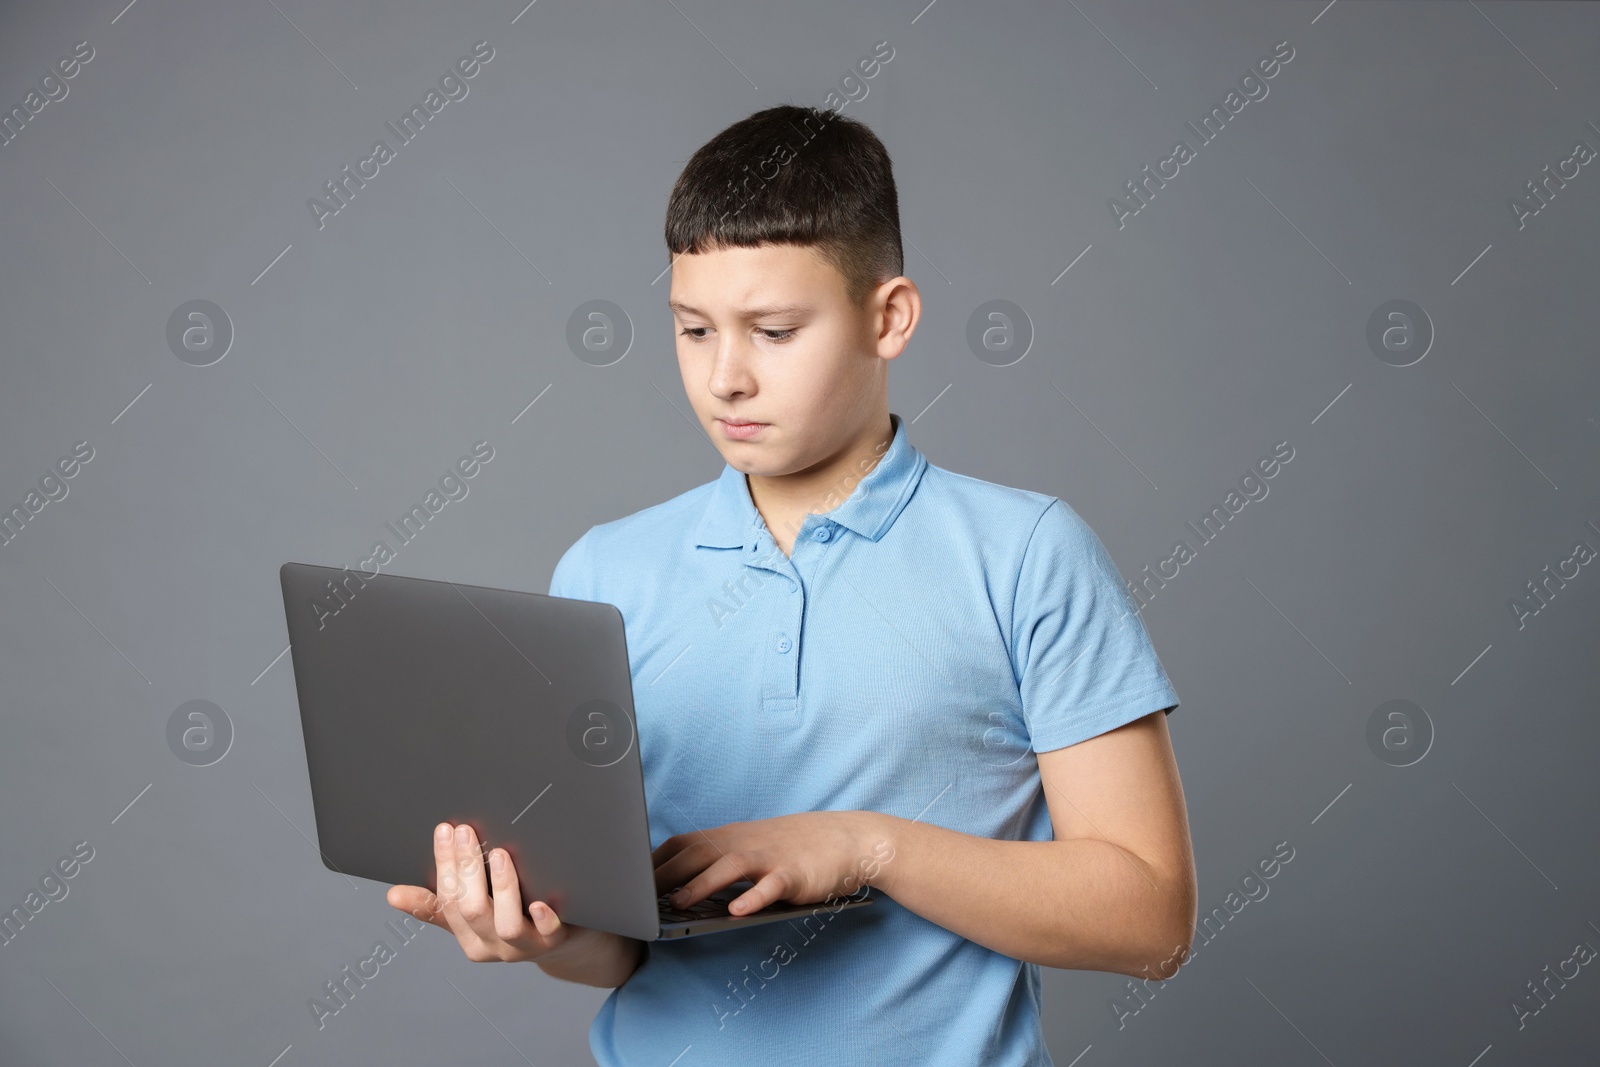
x=1115, y=891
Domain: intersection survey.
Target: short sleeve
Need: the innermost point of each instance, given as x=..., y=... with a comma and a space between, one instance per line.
x=1084, y=660
x=571, y=577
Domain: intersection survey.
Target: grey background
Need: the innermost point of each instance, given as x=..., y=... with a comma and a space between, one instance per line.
x=1228, y=315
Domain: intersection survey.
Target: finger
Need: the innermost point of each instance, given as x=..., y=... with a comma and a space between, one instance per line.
x=677, y=871
x=724, y=872
x=473, y=903
x=444, y=862
x=548, y=924
x=696, y=856
x=668, y=848
x=773, y=887
x=509, y=922
x=677, y=844
x=539, y=930
x=447, y=877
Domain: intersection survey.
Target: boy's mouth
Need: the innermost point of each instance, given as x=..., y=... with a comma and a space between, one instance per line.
x=739, y=429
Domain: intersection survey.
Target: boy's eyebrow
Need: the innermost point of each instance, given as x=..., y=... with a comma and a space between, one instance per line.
x=762, y=312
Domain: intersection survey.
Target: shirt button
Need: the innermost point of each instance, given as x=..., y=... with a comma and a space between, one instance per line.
x=784, y=644
x=821, y=533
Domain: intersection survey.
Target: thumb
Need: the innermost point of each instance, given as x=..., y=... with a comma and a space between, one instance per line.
x=416, y=901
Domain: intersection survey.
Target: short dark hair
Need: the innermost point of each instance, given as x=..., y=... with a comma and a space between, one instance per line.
x=793, y=175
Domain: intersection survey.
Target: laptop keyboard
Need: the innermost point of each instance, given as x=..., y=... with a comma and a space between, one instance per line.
x=714, y=906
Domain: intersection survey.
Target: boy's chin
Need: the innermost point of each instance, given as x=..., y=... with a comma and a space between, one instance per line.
x=744, y=462
x=753, y=460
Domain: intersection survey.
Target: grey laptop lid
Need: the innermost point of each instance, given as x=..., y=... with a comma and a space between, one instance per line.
x=428, y=701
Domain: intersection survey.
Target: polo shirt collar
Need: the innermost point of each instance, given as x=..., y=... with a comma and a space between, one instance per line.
x=732, y=521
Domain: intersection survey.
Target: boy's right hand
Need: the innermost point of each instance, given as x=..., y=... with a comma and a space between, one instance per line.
x=490, y=929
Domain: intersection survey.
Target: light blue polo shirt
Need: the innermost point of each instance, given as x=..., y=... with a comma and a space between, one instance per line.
x=927, y=636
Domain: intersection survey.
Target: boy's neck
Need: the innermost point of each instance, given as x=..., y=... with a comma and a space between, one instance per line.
x=785, y=501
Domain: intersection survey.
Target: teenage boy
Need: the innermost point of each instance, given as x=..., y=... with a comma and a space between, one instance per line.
x=853, y=670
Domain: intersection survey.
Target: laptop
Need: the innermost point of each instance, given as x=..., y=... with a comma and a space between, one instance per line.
x=425, y=701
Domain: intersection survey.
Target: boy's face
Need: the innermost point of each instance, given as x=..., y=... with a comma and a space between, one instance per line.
x=768, y=335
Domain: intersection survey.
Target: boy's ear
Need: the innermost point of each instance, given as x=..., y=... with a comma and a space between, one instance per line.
x=901, y=311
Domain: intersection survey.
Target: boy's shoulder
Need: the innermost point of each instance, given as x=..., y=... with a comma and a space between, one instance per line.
x=994, y=507
x=948, y=482
x=1016, y=531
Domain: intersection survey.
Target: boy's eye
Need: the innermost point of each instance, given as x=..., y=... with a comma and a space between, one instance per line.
x=694, y=333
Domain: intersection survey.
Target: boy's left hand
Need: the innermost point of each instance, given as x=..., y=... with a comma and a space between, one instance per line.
x=801, y=858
